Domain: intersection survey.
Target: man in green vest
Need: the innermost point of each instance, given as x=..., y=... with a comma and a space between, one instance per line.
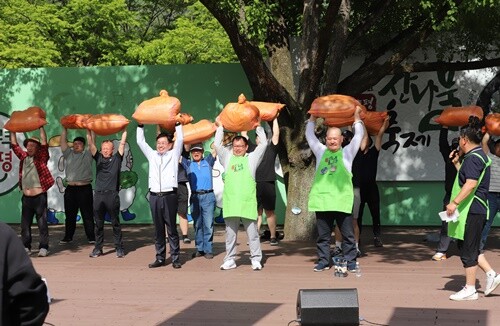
x=239, y=201
x=332, y=192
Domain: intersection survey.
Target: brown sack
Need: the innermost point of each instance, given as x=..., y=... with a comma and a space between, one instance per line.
x=198, y=132
x=336, y=105
x=338, y=122
x=158, y=110
x=183, y=118
x=26, y=120
x=241, y=116
x=268, y=111
x=106, y=124
x=492, y=123
x=458, y=116
x=374, y=120
x=74, y=121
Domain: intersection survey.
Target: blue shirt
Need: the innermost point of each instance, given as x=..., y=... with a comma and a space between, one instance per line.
x=199, y=173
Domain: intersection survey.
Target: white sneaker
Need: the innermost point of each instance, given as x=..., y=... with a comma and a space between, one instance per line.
x=28, y=250
x=230, y=264
x=491, y=284
x=256, y=266
x=43, y=252
x=464, y=295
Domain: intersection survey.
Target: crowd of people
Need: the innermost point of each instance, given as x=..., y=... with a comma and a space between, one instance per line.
x=344, y=180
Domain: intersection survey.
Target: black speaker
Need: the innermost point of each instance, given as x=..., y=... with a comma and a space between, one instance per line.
x=328, y=307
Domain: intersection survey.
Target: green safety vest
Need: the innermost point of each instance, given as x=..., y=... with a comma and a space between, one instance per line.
x=239, y=198
x=332, y=188
x=457, y=229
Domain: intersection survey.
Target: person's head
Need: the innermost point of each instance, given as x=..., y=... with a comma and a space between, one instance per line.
x=78, y=144
x=32, y=145
x=334, y=139
x=240, y=146
x=107, y=148
x=470, y=134
x=347, y=134
x=163, y=143
x=196, y=152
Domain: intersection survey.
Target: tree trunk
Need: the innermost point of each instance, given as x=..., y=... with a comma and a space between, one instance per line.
x=301, y=226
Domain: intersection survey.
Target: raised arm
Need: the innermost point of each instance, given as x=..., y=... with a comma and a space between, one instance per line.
x=91, y=142
x=364, y=141
x=276, y=132
x=316, y=146
x=222, y=152
x=123, y=141
x=380, y=135
x=13, y=138
x=64, y=139
x=43, y=136
x=484, y=143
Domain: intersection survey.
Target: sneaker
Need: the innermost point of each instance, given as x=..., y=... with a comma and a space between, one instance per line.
x=491, y=284
x=27, y=250
x=95, y=253
x=229, y=264
x=439, y=256
x=320, y=267
x=176, y=264
x=358, y=253
x=337, y=252
x=209, y=256
x=120, y=253
x=65, y=241
x=256, y=266
x=43, y=252
x=273, y=242
x=377, y=242
x=91, y=241
x=186, y=240
x=464, y=295
x=197, y=254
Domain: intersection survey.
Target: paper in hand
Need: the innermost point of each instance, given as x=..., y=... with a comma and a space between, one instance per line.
x=449, y=218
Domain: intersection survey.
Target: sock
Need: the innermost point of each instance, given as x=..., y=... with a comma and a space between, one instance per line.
x=470, y=289
x=491, y=273
x=338, y=244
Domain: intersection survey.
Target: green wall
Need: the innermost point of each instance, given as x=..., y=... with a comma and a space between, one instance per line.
x=202, y=89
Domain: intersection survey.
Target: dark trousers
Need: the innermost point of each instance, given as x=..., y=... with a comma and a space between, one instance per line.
x=164, y=212
x=469, y=246
x=370, y=195
x=79, y=198
x=37, y=206
x=444, y=239
x=107, y=201
x=325, y=222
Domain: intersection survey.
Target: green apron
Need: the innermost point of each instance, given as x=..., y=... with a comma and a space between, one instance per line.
x=457, y=229
x=332, y=188
x=239, y=198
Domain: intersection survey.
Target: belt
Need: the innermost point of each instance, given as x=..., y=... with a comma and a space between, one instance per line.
x=201, y=192
x=161, y=194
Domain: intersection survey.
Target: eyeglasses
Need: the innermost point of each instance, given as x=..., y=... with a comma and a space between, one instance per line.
x=239, y=146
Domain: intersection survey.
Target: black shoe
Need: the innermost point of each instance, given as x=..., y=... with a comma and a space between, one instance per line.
x=157, y=263
x=65, y=241
x=185, y=239
x=120, y=253
x=377, y=242
x=197, y=254
x=176, y=264
x=209, y=256
x=95, y=253
x=273, y=242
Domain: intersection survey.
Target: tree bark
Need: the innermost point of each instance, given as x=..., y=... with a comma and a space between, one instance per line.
x=484, y=99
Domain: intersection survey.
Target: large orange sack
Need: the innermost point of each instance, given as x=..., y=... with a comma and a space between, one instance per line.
x=492, y=123
x=106, y=124
x=241, y=116
x=374, y=120
x=183, y=118
x=335, y=106
x=74, y=121
x=158, y=110
x=458, y=116
x=26, y=120
x=198, y=132
x=268, y=111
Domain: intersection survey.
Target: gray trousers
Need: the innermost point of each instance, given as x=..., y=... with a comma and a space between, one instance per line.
x=250, y=226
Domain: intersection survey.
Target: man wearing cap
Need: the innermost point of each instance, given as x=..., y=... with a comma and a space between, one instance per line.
x=240, y=195
x=163, y=168
x=199, y=174
x=34, y=180
x=78, y=194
